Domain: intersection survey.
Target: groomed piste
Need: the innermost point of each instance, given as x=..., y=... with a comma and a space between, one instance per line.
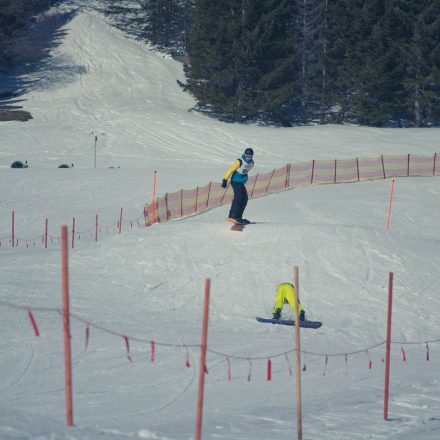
x=136, y=297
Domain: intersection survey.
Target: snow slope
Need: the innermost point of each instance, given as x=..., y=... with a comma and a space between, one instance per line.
x=148, y=283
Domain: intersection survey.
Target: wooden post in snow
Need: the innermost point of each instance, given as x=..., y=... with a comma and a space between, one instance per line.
x=298, y=357
x=202, y=366
x=66, y=326
x=388, y=347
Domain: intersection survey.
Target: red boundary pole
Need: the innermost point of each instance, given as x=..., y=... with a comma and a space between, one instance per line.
x=153, y=200
x=270, y=181
x=120, y=221
x=197, y=196
x=202, y=366
x=252, y=192
x=45, y=233
x=13, y=229
x=157, y=211
x=181, y=202
x=168, y=213
x=209, y=192
x=388, y=347
x=73, y=232
x=287, y=176
x=390, y=204
x=66, y=316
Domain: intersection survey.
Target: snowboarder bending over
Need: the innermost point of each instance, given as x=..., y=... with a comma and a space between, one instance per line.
x=286, y=295
x=238, y=172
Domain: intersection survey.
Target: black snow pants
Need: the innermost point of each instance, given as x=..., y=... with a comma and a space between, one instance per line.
x=240, y=200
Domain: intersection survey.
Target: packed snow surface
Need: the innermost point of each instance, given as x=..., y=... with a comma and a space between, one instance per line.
x=147, y=283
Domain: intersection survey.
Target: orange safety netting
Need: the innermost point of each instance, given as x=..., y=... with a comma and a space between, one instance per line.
x=187, y=202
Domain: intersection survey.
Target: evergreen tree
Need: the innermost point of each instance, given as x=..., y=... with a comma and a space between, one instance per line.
x=371, y=54
x=242, y=58
x=422, y=80
x=164, y=23
x=369, y=61
x=213, y=33
x=341, y=57
x=159, y=21
x=395, y=67
x=311, y=47
x=15, y=15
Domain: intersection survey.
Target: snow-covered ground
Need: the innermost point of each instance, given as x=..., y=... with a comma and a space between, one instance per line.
x=147, y=283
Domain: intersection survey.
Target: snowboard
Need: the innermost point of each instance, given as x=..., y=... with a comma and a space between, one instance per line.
x=237, y=227
x=236, y=222
x=305, y=323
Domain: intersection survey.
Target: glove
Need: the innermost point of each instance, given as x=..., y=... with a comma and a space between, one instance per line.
x=302, y=315
x=277, y=314
x=224, y=183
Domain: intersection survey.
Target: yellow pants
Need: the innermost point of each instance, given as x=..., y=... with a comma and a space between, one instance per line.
x=286, y=293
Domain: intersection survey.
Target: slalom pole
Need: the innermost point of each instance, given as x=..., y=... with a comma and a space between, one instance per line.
x=298, y=356
x=45, y=234
x=13, y=229
x=389, y=205
x=202, y=366
x=120, y=221
x=153, y=201
x=66, y=326
x=388, y=347
x=73, y=232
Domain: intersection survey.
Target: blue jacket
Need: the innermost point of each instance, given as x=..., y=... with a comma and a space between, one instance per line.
x=239, y=170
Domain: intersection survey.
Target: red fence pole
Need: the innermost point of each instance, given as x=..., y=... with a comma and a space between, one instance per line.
x=153, y=200
x=287, y=176
x=202, y=366
x=209, y=192
x=120, y=221
x=66, y=315
x=181, y=202
x=388, y=347
x=73, y=232
x=13, y=229
x=253, y=188
x=197, y=196
x=390, y=204
x=45, y=234
x=270, y=181
x=168, y=216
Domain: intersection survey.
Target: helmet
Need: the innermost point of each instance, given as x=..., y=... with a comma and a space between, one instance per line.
x=249, y=152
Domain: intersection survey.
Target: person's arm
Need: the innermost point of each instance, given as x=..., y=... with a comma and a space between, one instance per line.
x=234, y=167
